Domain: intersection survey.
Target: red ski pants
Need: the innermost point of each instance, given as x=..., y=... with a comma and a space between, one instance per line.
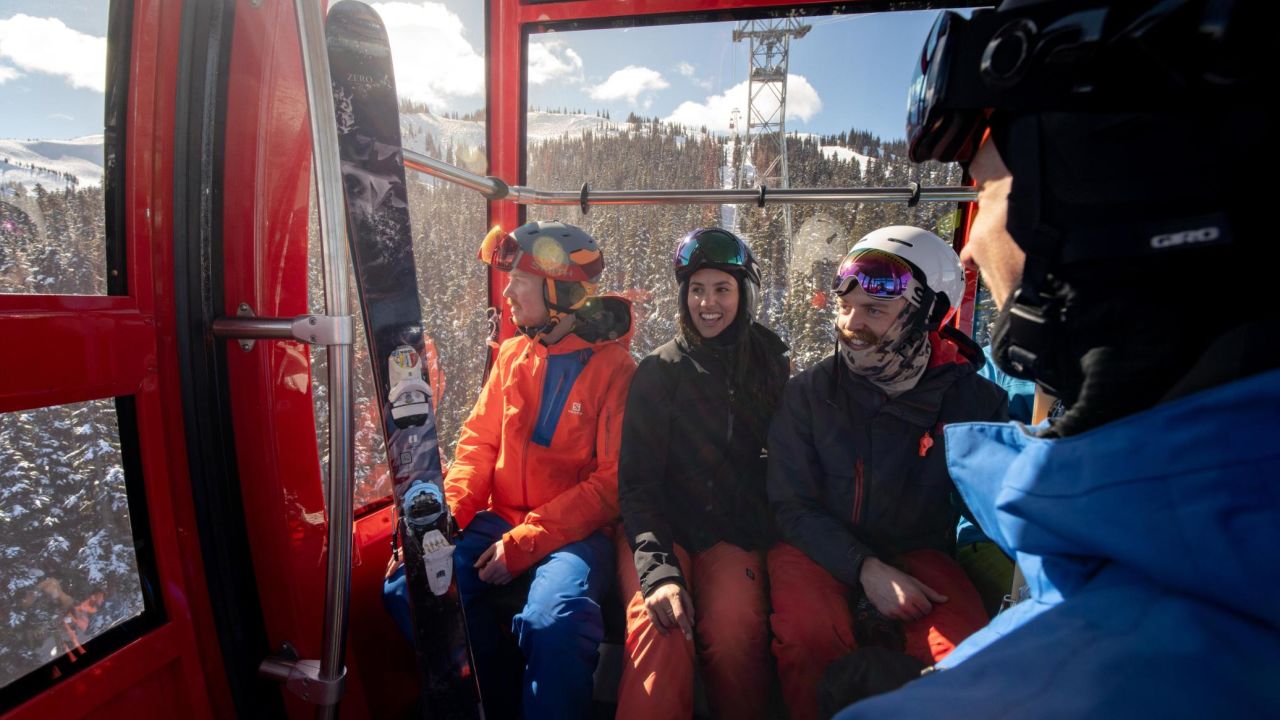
x=813, y=626
x=731, y=629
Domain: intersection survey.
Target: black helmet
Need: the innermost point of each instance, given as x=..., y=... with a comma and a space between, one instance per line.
x=1132, y=130
x=718, y=249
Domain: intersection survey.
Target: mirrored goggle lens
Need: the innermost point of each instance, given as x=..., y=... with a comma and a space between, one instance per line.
x=936, y=130
x=880, y=274
x=499, y=250
x=710, y=246
x=921, y=89
x=489, y=245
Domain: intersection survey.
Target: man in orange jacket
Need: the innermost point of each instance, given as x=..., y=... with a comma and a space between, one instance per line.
x=534, y=482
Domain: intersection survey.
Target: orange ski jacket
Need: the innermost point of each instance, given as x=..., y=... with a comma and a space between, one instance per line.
x=540, y=447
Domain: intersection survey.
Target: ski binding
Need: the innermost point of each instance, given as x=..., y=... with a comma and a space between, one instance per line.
x=410, y=395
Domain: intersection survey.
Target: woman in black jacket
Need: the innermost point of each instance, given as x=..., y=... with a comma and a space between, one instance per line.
x=691, y=485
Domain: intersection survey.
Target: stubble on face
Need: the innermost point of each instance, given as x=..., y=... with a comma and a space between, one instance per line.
x=990, y=248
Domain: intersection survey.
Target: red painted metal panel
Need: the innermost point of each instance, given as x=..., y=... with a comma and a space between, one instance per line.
x=149, y=189
x=99, y=354
x=504, y=54
x=265, y=225
x=376, y=650
x=265, y=201
x=144, y=679
x=126, y=346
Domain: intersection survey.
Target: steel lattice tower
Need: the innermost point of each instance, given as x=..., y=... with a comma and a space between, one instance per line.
x=766, y=136
x=767, y=91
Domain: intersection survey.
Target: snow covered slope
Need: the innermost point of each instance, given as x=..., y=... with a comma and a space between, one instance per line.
x=53, y=164
x=836, y=152
x=444, y=132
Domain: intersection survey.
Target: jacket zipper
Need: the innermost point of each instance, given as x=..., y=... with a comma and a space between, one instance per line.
x=524, y=482
x=729, y=436
x=857, y=492
x=528, y=440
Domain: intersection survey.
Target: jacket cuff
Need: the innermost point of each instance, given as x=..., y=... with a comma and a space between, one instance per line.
x=855, y=556
x=462, y=517
x=659, y=576
x=519, y=546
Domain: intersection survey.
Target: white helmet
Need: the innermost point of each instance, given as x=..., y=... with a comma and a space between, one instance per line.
x=943, y=272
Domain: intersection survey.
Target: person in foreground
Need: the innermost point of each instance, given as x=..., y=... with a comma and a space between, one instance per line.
x=857, y=478
x=691, y=485
x=1119, y=213
x=533, y=485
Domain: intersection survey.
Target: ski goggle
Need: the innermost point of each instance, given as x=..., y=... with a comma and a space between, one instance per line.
x=936, y=131
x=714, y=247
x=1062, y=57
x=499, y=250
x=880, y=274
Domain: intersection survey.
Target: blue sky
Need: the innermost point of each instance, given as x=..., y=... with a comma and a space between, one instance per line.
x=850, y=71
x=847, y=71
x=52, y=67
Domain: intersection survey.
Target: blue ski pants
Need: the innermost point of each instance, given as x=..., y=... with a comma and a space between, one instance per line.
x=557, y=632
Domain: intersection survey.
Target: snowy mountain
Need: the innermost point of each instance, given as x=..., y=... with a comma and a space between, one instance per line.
x=52, y=163
x=60, y=163
x=445, y=132
x=78, y=162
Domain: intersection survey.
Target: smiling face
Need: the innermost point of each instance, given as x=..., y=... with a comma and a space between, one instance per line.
x=524, y=292
x=713, y=301
x=863, y=321
x=990, y=248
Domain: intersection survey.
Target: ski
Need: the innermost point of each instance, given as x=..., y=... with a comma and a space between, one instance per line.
x=382, y=255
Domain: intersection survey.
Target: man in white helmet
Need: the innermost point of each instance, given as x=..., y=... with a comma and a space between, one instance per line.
x=858, y=480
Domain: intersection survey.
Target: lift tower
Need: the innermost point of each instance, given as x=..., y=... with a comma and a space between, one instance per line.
x=766, y=136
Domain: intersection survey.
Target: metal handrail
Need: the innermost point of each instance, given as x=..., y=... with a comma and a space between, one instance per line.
x=493, y=188
x=329, y=189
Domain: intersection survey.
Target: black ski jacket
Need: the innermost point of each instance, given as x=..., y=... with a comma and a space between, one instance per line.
x=854, y=474
x=691, y=471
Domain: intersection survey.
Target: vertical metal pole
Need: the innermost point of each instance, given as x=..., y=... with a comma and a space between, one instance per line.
x=333, y=236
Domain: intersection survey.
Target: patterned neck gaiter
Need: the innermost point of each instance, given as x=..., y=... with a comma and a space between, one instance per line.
x=889, y=363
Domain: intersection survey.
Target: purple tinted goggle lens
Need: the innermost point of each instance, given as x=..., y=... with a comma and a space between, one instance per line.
x=880, y=274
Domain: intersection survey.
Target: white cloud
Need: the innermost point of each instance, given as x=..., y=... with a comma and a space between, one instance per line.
x=689, y=71
x=629, y=83
x=435, y=64
x=802, y=104
x=552, y=60
x=46, y=45
x=59, y=116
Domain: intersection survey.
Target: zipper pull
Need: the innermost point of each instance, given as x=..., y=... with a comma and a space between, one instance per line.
x=926, y=442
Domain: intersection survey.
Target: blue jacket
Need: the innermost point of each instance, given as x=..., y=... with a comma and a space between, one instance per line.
x=1150, y=547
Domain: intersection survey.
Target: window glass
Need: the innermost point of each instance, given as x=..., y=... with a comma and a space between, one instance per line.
x=984, y=314
x=438, y=52
x=688, y=106
x=68, y=563
x=52, y=211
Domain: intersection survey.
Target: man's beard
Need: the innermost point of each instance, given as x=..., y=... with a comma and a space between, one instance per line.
x=884, y=360
x=867, y=338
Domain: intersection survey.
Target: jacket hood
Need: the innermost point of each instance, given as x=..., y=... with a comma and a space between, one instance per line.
x=602, y=320
x=944, y=351
x=1183, y=495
